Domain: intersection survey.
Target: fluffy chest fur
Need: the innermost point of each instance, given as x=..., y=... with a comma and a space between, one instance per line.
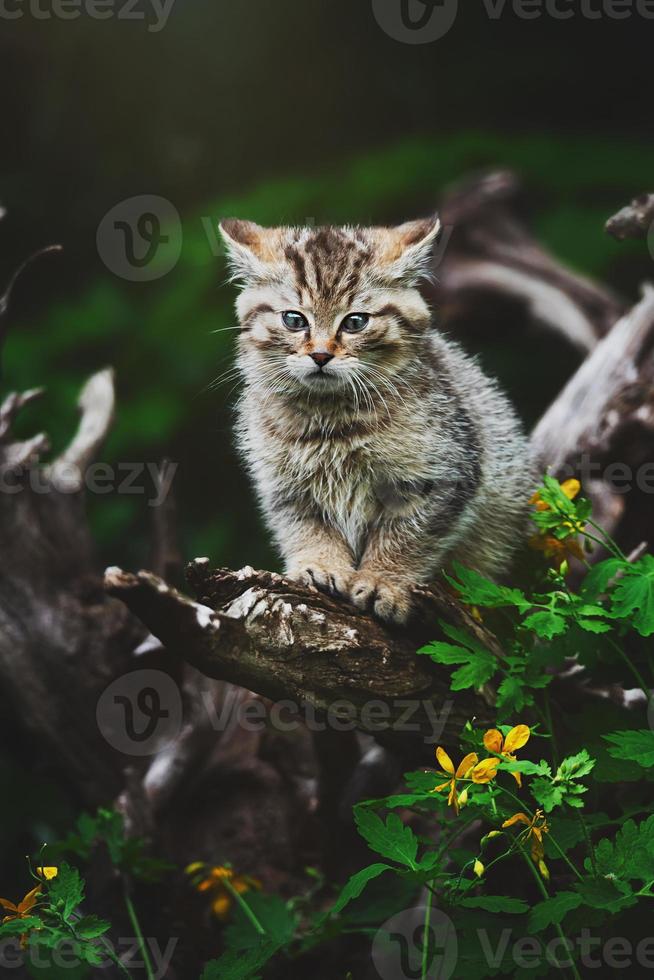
x=350, y=471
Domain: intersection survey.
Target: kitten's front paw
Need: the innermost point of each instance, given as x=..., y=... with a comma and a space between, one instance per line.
x=376, y=591
x=331, y=579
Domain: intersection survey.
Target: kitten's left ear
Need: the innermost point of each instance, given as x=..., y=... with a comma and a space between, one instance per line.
x=411, y=249
x=250, y=249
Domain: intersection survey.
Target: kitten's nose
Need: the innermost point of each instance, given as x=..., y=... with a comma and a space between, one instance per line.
x=321, y=357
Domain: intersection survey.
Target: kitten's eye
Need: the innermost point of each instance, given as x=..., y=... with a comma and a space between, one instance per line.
x=355, y=322
x=295, y=321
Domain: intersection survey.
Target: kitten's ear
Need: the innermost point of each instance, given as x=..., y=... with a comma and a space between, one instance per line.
x=249, y=249
x=410, y=249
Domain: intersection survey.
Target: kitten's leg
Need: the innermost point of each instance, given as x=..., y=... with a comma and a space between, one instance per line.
x=398, y=556
x=315, y=554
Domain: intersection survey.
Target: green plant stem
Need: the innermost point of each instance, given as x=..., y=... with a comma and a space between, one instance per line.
x=244, y=906
x=425, y=935
x=133, y=918
x=607, y=541
x=545, y=894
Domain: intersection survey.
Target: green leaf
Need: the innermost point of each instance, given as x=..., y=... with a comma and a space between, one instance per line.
x=633, y=596
x=391, y=839
x=597, y=580
x=553, y=910
x=496, y=903
x=546, y=623
x=356, y=885
x=67, y=888
x=512, y=695
x=636, y=746
x=240, y=964
x=91, y=926
x=527, y=768
x=278, y=921
x=575, y=766
x=479, y=664
x=475, y=590
x=18, y=926
x=547, y=794
x=475, y=674
x=630, y=855
x=605, y=893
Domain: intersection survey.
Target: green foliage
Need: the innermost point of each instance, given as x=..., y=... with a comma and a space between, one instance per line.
x=106, y=828
x=635, y=746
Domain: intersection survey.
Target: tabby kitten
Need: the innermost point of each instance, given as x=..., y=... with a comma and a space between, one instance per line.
x=379, y=451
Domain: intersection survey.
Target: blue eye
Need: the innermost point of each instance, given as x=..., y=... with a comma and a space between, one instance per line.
x=355, y=322
x=295, y=321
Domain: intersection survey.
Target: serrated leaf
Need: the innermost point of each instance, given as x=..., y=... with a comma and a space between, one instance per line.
x=391, y=839
x=91, y=926
x=633, y=596
x=553, y=910
x=598, y=578
x=18, y=926
x=593, y=626
x=635, y=746
x=630, y=855
x=68, y=888
x=547, y=793
x=546, y=623
x=512, y=695
x=605, y=893
x=475, y=674
x=575, y=766
x=475, y=590
x=356, y=885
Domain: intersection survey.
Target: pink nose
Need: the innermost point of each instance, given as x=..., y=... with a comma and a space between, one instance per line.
x=321, y=357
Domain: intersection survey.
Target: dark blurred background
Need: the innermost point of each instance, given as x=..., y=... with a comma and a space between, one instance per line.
x=278, y=112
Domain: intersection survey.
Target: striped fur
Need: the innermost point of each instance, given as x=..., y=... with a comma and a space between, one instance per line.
x=399, y=455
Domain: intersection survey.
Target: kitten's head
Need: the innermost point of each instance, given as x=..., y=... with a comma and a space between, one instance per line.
x=329, y=309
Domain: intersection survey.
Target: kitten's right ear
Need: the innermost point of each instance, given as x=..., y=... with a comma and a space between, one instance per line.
x=249, y=250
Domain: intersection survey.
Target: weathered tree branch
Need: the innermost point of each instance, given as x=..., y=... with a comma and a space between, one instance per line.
x=636, y=220
x=282, y=640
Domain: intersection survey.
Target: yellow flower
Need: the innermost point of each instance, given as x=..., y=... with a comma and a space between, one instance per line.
x=552, y=547
x=470, y=768
x=570, y=488
x=558, y=551
x=533, y=834
x=478, y=868
x=24, y=907
x=21, y=911
x=47, y=873
x=507, y=747
x=221, y=882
